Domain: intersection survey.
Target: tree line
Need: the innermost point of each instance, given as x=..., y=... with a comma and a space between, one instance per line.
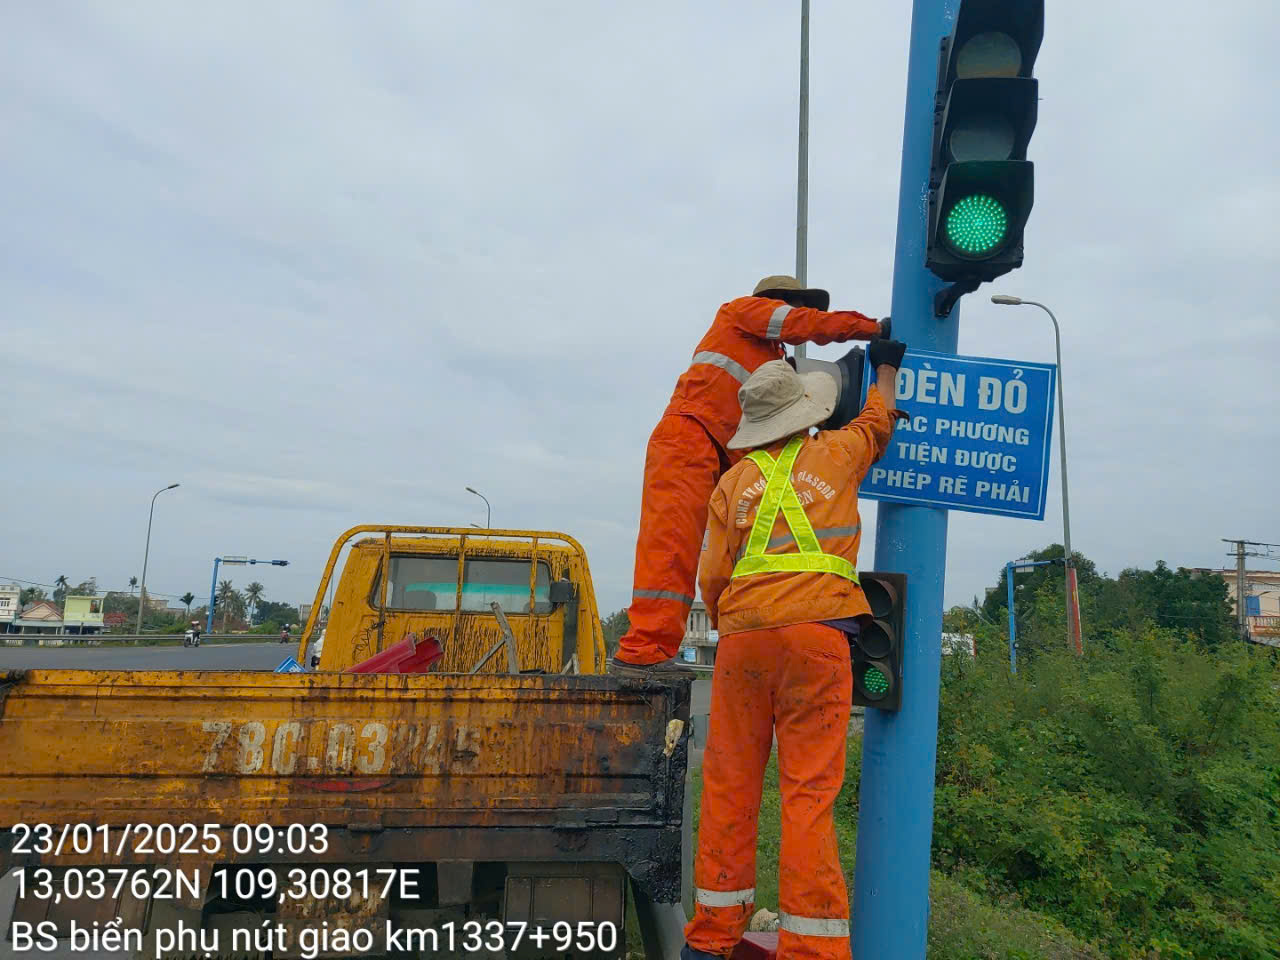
x=246, y=609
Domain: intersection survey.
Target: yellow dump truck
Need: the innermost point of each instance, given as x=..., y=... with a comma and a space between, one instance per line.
x=512, y=795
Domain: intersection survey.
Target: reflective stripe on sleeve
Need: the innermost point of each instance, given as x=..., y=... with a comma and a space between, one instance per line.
x=727, y=898
x=727, y=364
x=813, y=926
x=775, y=323
x=661, y=595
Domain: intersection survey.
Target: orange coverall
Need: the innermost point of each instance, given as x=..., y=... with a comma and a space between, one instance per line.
x=778, y=669
x=686, y=456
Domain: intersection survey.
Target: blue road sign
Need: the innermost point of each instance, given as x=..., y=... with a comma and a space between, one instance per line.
x=289, y=665
x=978, y=438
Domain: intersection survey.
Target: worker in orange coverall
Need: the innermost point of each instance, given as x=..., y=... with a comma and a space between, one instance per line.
x=779, y=577
x=687, y=453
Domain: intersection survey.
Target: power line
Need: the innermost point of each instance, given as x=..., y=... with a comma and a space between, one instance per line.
x=53, y=586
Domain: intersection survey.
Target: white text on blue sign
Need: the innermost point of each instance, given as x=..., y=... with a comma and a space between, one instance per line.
x=977, y=438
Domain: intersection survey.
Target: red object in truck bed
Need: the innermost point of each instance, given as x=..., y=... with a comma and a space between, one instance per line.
x=413, y=654
x=756, y=946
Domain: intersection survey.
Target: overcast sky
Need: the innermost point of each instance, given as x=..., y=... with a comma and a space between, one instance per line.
x=329, y=263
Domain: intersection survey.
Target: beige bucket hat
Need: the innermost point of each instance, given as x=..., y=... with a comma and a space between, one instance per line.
x=781, y=285
x=777, y=402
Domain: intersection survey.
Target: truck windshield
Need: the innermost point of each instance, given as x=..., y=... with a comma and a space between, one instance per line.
x=431, y=583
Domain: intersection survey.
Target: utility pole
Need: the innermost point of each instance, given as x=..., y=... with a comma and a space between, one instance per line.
x=802, y=164
x=1242, y=615
x=899, y=750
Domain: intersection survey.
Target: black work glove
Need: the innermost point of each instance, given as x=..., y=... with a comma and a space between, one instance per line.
x=888, y=352
x=886, y=328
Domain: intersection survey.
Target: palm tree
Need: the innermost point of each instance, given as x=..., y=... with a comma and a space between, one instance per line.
x=252, y=594
x=225, y=592
x=60, y=588
x=133, y=582
x=30, y=595
x=187, y=599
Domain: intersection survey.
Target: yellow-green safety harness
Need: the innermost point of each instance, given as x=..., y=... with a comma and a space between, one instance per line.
x=779, y=494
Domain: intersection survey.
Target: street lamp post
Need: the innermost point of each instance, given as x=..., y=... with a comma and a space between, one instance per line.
x=488, y=512
x=802, y=164
x=1073, y=610
x=146, y=555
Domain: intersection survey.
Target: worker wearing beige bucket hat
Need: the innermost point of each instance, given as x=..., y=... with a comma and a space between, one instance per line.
x=687, y=452
x=778, y=403
x=779, y=578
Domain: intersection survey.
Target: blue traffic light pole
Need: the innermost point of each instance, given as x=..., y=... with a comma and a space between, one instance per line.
x=1009, y=569
x=895, y=817
x=213, y=585
x=213, y=596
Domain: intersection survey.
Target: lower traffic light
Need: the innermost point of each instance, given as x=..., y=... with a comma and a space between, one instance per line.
x=876, y=652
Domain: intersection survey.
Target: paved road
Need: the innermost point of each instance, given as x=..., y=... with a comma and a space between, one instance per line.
x=207, y=656
x=700, y=697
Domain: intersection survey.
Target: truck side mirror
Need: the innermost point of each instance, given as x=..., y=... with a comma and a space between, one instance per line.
x=562, y=591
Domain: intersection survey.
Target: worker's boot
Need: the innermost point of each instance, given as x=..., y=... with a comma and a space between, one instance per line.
x=662, y=670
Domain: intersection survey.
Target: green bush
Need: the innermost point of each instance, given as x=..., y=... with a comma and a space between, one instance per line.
x=1131, y=794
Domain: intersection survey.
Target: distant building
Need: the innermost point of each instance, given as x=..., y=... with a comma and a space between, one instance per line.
x=1261, y=601
x=699, y=644
x=83, y=616
x=10, y=594
x=304, y=611
x=959, y=643
x=40, y=617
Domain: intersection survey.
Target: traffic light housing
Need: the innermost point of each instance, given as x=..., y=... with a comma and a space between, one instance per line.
x=847, y=373
x=981, y=185
x=876, y=652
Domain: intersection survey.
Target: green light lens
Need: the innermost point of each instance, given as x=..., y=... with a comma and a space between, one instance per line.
x=875, y=682
x=977, y=225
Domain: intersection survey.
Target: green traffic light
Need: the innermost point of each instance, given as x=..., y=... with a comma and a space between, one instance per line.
x=875, y=682
x=977, y=225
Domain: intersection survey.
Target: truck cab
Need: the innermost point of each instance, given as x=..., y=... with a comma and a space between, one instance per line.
x=444, y=586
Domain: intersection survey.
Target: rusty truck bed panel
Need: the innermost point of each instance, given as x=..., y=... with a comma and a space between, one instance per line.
x=367, y=751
